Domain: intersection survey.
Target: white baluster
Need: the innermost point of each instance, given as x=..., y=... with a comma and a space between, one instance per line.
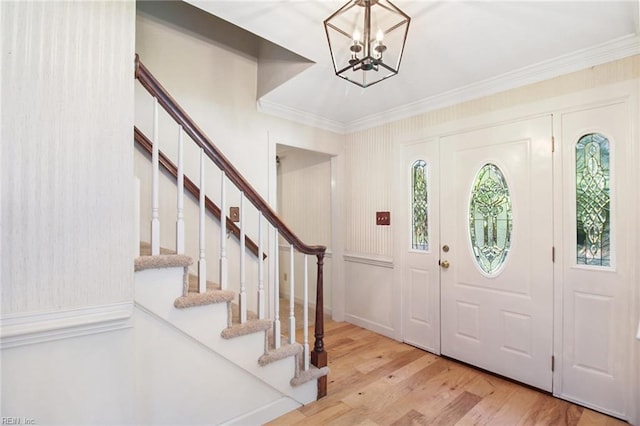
x=180, y=201
x=276, y=292
x=202, y=261
x=305, y=315
x=223, y=233
x=242, y=297
x=292, y=306
x=155, y=206
x=261, y=301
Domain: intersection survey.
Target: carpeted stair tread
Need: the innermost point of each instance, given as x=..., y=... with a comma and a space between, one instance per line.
x=207, y=298
x=166, y=259
x=250, y=326
x=161, y=261
x=313, y=373
x=282, y=352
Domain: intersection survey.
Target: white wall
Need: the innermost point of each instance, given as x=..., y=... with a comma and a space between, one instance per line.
x=67, y=211
x=180, y=381
x=82, y=380
x=67, y=114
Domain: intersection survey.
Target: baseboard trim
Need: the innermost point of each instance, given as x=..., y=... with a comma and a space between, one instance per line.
x=31, y=328
x=266, y=413
x=370, y=325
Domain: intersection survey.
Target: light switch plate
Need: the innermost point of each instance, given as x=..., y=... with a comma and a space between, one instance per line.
x=383, y=218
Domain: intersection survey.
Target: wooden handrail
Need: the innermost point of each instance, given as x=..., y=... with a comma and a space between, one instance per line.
x=144, y=143
x=197, y=135
x=149, y=82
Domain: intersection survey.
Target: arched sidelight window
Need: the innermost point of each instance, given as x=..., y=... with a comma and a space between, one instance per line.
x=419, y=206
x=593, y=201
x=490, y=219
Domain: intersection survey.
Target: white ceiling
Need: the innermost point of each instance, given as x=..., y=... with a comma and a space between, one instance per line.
x=455, y=51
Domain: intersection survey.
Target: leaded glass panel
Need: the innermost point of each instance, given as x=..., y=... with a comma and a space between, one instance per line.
x=490, y=218
x=593, y=222
x=419, y=207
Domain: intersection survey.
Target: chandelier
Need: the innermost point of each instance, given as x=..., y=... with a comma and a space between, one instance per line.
x=366, y=39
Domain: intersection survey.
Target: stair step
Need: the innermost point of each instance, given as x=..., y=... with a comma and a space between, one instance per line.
x=194, y=298
x=282, y=352
x=161, y=261
x=251, y=326
x=166, y=259
x=313, y=373
x=200, y=299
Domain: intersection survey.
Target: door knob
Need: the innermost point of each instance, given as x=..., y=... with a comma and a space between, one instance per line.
x=444, y=264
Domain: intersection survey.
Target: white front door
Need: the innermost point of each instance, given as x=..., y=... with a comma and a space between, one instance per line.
x=597, y=257
x=496, y=249
x=420, y=247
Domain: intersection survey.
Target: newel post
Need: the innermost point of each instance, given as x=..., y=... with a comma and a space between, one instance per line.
x=319, y=355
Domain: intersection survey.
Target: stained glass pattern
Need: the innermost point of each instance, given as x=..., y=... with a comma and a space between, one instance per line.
x=490, y=218
x=419, y=207
x=593, y=224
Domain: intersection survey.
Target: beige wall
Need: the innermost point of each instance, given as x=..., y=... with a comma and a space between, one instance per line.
x=304, y=202
x=67, y=114
x=304, y=192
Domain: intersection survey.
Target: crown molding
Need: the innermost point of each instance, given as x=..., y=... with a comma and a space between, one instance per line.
x=575, y=61
x=581, y=59
x=299, y=116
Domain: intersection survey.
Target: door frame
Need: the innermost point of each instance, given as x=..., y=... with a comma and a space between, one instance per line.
x=334, y=254
x=629, y=91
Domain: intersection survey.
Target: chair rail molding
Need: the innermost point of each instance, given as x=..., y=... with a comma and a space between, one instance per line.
x=30, y=328
x=368, y=259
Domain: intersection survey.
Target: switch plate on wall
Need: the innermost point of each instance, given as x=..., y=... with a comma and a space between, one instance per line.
x=383, y=218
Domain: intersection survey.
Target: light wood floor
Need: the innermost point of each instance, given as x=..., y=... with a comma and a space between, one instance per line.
x=378, y=381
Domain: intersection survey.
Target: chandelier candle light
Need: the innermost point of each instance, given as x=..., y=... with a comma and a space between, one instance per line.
x=366, y=39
